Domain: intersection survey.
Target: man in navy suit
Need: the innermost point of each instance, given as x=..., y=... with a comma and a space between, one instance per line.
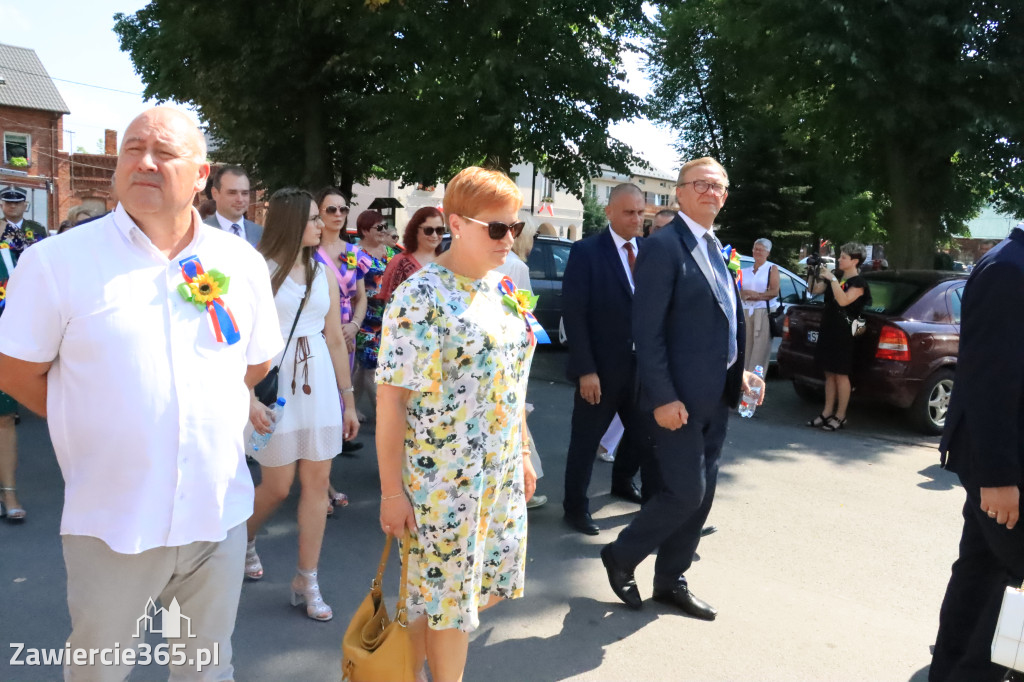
x=688, y=327
x=597, y=302
x=983, y=443
x=231, y=193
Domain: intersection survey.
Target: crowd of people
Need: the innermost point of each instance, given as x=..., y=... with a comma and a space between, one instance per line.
x=438, y=343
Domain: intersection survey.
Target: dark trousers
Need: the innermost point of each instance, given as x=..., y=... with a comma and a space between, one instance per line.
x=991, y=558
x=671, y=521
x=589, y=423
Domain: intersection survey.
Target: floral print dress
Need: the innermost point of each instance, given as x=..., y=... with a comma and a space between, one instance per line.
x=13, y=241
x=466, y=356
x=368, y=337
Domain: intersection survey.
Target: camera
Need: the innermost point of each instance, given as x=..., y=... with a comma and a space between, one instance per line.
x=814, y=263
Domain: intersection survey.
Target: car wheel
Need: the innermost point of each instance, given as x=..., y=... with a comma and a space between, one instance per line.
x=808, y=393
x=932, y=403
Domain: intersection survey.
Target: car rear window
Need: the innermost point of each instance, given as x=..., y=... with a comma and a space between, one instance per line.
x=891, y=297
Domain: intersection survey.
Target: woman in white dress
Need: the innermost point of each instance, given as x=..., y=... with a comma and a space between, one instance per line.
x=314, y=367
x=760, y=289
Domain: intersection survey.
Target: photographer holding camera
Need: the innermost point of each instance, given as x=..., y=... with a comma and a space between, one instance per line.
x=846, y=294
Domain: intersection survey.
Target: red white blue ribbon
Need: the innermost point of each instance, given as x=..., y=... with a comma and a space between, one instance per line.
x=225, y=329
x=535, y=332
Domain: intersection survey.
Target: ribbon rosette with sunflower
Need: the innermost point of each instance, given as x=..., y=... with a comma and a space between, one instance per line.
x=205, y=288
x=350, y=260
x=521, y=301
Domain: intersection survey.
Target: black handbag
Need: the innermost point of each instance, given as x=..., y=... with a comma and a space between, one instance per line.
x=775, y=319
x=266, y=389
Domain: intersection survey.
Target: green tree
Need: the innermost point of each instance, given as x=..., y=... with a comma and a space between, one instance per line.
x=909, y=103
x=594, y=219
x=324, y=91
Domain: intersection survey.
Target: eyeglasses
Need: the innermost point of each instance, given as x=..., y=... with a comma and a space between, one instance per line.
x=315, y=218
x=381, y=228
x=702, y=186
x=429, y=231
x=331, y=210
x=497, y=230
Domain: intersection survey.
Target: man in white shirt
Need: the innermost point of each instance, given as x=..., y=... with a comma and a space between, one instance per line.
x=137, y=339
x=230, y=191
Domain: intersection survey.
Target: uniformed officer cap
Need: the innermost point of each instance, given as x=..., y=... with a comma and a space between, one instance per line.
x=13, y=195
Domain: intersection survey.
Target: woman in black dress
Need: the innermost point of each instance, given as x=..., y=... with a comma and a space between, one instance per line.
x=846, y=294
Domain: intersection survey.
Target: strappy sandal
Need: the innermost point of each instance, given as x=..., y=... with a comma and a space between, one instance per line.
x=834, y=423
x=10, y=514
x=253, y=565
x=818, y=421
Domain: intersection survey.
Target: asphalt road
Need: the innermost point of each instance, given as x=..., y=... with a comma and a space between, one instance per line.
x=830, y=563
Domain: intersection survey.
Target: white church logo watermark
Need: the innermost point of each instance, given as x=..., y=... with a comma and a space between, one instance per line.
x=167, y=621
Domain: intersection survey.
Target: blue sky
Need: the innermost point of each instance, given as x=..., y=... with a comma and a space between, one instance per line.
x=74, y=40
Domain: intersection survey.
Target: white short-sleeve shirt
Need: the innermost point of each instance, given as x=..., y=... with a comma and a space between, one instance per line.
x=145, y=407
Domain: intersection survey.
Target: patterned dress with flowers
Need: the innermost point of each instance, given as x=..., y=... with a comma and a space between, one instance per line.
x=352, y=265
x=14, y=241
x=465, y=354
x=368, y=338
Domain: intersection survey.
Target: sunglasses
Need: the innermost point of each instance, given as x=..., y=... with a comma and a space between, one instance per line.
x=331, y=210
x=429, y=231
x=497, y=230
x=381, y=228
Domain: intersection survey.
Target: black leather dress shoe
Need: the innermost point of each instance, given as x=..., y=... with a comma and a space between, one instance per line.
x=628, y=492
x=582, y=522
x=681, y=596
x=621, y=580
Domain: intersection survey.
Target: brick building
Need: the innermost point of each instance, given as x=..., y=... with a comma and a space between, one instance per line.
x=32, y=132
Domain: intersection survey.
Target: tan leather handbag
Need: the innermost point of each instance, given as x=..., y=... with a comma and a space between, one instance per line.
x=375, y=647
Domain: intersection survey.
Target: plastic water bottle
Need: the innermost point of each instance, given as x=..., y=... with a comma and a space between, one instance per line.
x=257, y=440
x=748, y=403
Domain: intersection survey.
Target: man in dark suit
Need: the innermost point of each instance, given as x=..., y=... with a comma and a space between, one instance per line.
x=983, y=444
x=688, y=327
x=231, y=193
x=597, y=302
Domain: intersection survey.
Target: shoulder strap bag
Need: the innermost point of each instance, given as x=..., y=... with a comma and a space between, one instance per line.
x=266, y=390
x=375, y=647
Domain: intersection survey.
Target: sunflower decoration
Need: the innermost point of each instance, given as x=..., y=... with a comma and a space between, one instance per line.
x=3, y=293
x=30, y=234
x=521, y=301
x=350, y=260
x=204, y=288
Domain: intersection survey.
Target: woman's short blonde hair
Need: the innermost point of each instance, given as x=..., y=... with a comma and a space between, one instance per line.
x=474, y=190
x=523, y=244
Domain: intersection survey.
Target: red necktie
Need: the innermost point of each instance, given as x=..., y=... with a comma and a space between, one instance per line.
x=630, y=257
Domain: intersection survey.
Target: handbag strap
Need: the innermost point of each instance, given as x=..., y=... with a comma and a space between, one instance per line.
x=403, y=588
x=295, y=322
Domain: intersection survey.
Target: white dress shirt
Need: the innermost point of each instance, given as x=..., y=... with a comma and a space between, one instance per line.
x=226, y=224
x=624, y=255
x=699, y=231
x=145, y=408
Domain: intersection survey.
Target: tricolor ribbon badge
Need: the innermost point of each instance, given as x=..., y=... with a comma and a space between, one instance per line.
x=3, y=293
x=205, y=290
x=732, y=260
x=523, y=302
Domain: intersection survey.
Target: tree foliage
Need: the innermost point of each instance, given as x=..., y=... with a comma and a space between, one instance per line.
x=896, y=115
x=317, y=91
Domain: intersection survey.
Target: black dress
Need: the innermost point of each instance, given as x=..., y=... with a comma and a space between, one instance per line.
x=835, y=340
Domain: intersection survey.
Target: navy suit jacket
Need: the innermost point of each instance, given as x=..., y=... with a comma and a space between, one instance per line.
x=983, y=440
x=681, y=329
x=253, y=231
x=597, y=311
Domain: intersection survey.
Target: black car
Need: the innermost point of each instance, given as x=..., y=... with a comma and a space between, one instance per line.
x=547, y=265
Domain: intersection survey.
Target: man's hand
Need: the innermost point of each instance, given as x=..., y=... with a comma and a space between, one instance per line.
x=750, y=380
x=1002, y=504
x=671, y=416
x=590, y=388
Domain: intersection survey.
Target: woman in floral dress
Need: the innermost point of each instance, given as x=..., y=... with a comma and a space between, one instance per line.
x=374, y=241
x=453, y=367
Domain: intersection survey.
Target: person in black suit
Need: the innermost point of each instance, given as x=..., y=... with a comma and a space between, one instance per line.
x=231, y=193
x=597, y=302
x=983, y=443
x=688, y=327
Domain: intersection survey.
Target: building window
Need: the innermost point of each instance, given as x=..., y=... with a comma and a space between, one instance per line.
x=607, y=192
x=16, y=146
x=549, y=190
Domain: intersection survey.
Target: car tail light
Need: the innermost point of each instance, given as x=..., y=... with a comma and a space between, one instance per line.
x=785, y=328
x=893, y=344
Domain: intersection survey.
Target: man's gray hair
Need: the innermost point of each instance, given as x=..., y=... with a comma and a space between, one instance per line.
x=765, y=242
x=626, y=187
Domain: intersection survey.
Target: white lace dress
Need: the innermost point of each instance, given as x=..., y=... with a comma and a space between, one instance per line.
x=311, y=427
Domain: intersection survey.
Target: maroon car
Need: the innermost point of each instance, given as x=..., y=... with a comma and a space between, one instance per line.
x=907, y=355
